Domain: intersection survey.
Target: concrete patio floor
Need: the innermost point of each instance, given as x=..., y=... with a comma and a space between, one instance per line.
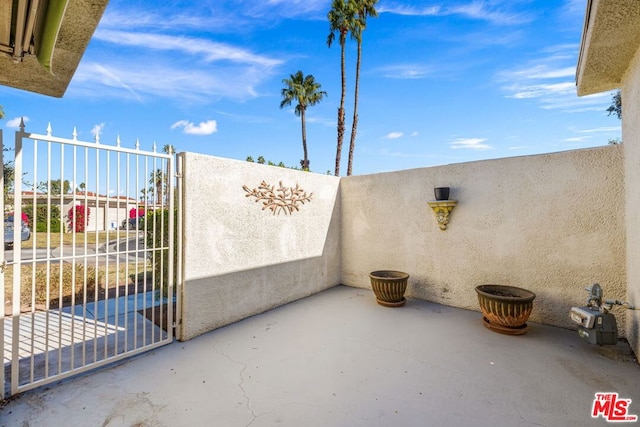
x=339, y=359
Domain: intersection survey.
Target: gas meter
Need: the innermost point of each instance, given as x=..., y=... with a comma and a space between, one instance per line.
x=595, y=323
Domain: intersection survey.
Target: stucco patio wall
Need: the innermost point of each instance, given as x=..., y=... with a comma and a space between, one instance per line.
x=631, y=143
x=241, y=259
x=550, y=223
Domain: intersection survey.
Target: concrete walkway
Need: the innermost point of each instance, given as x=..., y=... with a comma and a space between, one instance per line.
x=339, y=359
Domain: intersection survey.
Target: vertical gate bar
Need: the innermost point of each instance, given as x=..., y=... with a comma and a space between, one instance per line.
x=170, y=258
x=85, y=290
x=104, y=324
x=179, y=249
x=48, y=274
x=147, y=225
x=95, y=288
x=161, y=283
x=34, y=226
x=2, y=270
x=136, y=176
x=126, y=267
x=73, y=256
x=17, y=201
x=106, y=266
x=61, y=272
x=154, y=262
x=106, y=258
x=117, y=278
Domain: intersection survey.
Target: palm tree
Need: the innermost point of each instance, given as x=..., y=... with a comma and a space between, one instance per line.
x=306, y=91
x=363, y=8
x=168, y=149
x=341, y=17
x=157, y=179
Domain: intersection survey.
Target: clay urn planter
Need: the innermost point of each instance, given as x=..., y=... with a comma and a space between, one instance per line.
x=389, y=287
x=505, y=309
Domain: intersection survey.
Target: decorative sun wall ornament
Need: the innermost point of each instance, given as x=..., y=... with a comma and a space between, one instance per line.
x=281, y=199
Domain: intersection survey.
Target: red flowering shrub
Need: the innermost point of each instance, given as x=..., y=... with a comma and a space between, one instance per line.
x=79, y=218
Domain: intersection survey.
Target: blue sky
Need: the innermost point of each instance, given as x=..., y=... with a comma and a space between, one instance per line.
x=441, y=82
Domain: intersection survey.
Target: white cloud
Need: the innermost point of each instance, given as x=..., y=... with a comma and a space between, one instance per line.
x=15, y=123
x=182, y=68
x=97, y=129
x=475, y=10
x=602, y=129
x=540, y=71
x=542, y=90
x=471, y=144
x=410, y=10
x=414, y=134
x=203, y=128
x=194, y=84
x=394, y=135
x=209, y=50
x=405, y=71
x=577, y=139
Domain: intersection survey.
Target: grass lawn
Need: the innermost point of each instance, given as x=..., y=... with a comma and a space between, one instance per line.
x=70, y=286
x=91, y=238
x=69, y=283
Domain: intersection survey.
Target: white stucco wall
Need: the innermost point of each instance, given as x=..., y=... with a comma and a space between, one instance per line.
x=550, y=223
x=631, y=143
x=240, y=260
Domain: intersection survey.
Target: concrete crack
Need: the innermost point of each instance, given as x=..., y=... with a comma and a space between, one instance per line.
x=240, y=384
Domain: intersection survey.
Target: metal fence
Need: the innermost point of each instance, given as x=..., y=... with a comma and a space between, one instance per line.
x=95, y=280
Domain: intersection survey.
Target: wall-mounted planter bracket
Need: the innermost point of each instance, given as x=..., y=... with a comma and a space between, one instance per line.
x=443, y=209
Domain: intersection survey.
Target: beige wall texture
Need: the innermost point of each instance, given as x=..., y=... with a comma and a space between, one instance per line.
x=550, y=223
x=631, y=144
x=241, y=260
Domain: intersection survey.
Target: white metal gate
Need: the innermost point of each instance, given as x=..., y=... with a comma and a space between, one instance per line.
x=95, y=281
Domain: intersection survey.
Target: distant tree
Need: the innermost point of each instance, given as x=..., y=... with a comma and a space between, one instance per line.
x=168, y=149
x=364, y=9
x=306, y=92
x=341, y=20
x=8, y=170
x=616, y=105
x=9, y=175
x=261, y=160
x=54, y=187
x=157, y=180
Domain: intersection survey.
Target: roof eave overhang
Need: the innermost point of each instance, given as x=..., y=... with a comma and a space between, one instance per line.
x=78, y=23
x=610, y=39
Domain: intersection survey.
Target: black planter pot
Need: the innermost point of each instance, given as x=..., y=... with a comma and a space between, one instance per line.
x=441, y=193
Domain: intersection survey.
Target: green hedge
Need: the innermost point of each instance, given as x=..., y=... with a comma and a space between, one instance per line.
x=159, y=239
x=41, y=218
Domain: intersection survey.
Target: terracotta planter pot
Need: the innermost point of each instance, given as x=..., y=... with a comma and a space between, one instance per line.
x=506, y=309
x=389, y=287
